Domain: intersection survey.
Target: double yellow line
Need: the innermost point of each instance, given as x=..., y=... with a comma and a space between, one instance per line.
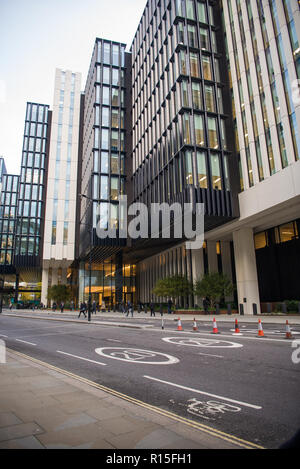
x=190, y=423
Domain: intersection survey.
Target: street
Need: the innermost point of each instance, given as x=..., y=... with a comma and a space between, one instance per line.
x=243, y=385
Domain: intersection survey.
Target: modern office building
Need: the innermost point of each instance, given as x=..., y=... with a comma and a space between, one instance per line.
x=204, y=108
x=62, y=187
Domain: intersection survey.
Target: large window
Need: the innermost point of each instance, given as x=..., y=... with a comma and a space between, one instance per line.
x=196, y=93
x=206, y=64
x=215, y=171
x=201, y=169
x=199, y=130
x=212, y=132
x=194, y=63
x=188, y=168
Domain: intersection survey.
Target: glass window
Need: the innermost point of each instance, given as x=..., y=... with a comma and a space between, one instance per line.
x=186, y=129
x=114, y=140
x=194, y=63
x=206, y=64
x=202, y=12
x=210, y=98
x=105, y=95
x=212, y=132
x=192, y=35
x=114, y=188
x=188, y=167
x=115, y=55
x=199, y=130
x=106, y=75
x=104, y=162
x=196, y=92
x=115, y=97
x=104, y=188
x=114, y=163
x=287, y=232
x=104, y=139
x=223, y=135
x=105, y=116
x=204, y=39
x=185, y=98
x=115, y=77
x=215, y=171
x=190, y=13
x=260, y=240
x=183, y=67
x=115, y=118
x=106, y=53
x=201, y=169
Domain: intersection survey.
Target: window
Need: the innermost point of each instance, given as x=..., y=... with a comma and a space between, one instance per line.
x=288, y=232
x=104, y=162
x=202, y=12
x=104, y=188
x=114, y=163
x=105, y=116
x=104, y=139
x=188, y=167
x=260, y=240
x=192, y=35
x=210, y=98
x=206, y=64
x=190, y=13
x=114, y=140
x=212, y=132
x=115, y=97
x=201, y=169
x=215, y=171
x=114, y=188
x=106, y=75
x=115, y=118
x=186, y=129
x=115, y=55
x=199, y=130
x=105, y=95
x=106, y=53
x=194, y=63
x=185, y=98
x=196, y=92
x=204, y=39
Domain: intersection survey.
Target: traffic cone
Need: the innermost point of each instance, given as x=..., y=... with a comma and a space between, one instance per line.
x=215, y=329
x=288, y=334
x=195, y=328
x=236, y=331
x=179, y=326
x=260, y=329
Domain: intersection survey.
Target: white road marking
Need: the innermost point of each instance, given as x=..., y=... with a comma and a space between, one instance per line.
x=134, y=355
x=113, y=340
x=25, y=342
x=210, y=355
x=245, y=404
x=2, y=335
x=81, y=358
x=200, y=342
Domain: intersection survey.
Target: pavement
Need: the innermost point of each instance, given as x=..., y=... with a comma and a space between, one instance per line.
x=73, y=315
x=45, y=407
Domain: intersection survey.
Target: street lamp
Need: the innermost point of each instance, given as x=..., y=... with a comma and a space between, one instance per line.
x=90, y=262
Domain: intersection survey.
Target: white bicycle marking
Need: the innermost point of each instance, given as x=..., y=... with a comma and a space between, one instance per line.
x=209, y=409
x=200, y=342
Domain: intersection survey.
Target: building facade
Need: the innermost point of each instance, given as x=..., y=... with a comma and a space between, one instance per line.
x=204, y=108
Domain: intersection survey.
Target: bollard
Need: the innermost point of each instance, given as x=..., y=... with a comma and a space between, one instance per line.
x=241, y=309
x=229, y=308
x=162, y=324
x=254, y=305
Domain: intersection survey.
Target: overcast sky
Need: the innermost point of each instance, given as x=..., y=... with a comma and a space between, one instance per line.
x=36, y=36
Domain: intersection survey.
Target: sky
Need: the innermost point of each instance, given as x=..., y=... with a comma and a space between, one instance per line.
x=38, y=36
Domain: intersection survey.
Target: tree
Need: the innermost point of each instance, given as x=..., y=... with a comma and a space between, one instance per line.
x=213, y=286
x=173, y=287
x=59, y=293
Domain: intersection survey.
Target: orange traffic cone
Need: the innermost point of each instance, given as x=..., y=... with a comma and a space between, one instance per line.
x=288, y=334
x=179, y=326
x=215, y=329
x=195, y=328
x=236, y=331
x=260, y=329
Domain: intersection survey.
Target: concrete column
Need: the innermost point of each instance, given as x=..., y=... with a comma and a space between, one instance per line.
x=212, y=257
x=226, y=263
x=198, y=270
x=44, y=293
x=246, y=271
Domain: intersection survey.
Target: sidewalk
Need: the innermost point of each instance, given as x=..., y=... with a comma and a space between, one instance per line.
x=73, y=315
x=42, y=408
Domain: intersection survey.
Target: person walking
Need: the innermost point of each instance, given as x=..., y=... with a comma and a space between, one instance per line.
x=152, y=312
x=54, y=306
x=62, y=306
x=82, y=310
x=94, y=307
x=170, y=304
x=72, y=305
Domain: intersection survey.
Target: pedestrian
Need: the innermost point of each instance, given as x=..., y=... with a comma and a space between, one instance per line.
x=62, y=305
x=82, y=310
x=152, y=312
x=145, y=307
x=94, y=307
x=10, y=305
x=72, y=305
x=54, y=306
x=170, y=304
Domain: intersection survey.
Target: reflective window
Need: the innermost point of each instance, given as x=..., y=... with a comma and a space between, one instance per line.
x=215, y=171
x=201, y=169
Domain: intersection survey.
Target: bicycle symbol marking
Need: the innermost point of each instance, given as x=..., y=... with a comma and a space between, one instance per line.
x=210, y=409
x=200, y=342
x=132, y=355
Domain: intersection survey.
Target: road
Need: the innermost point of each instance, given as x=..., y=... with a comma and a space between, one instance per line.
x=243, y=385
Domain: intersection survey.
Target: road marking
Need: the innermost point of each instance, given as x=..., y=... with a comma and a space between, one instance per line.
x=1, y=335
x=81, y=358
x=245, y=404
x=210, y=355
x=113, y=340
x=134, y=355
x=190, y=423
x=25, y=342
x=200, y=342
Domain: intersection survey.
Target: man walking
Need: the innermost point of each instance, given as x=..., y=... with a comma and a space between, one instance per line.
x=82, y=310
x=152, y=313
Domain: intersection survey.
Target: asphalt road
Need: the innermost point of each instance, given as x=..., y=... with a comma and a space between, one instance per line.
x=239, y=384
